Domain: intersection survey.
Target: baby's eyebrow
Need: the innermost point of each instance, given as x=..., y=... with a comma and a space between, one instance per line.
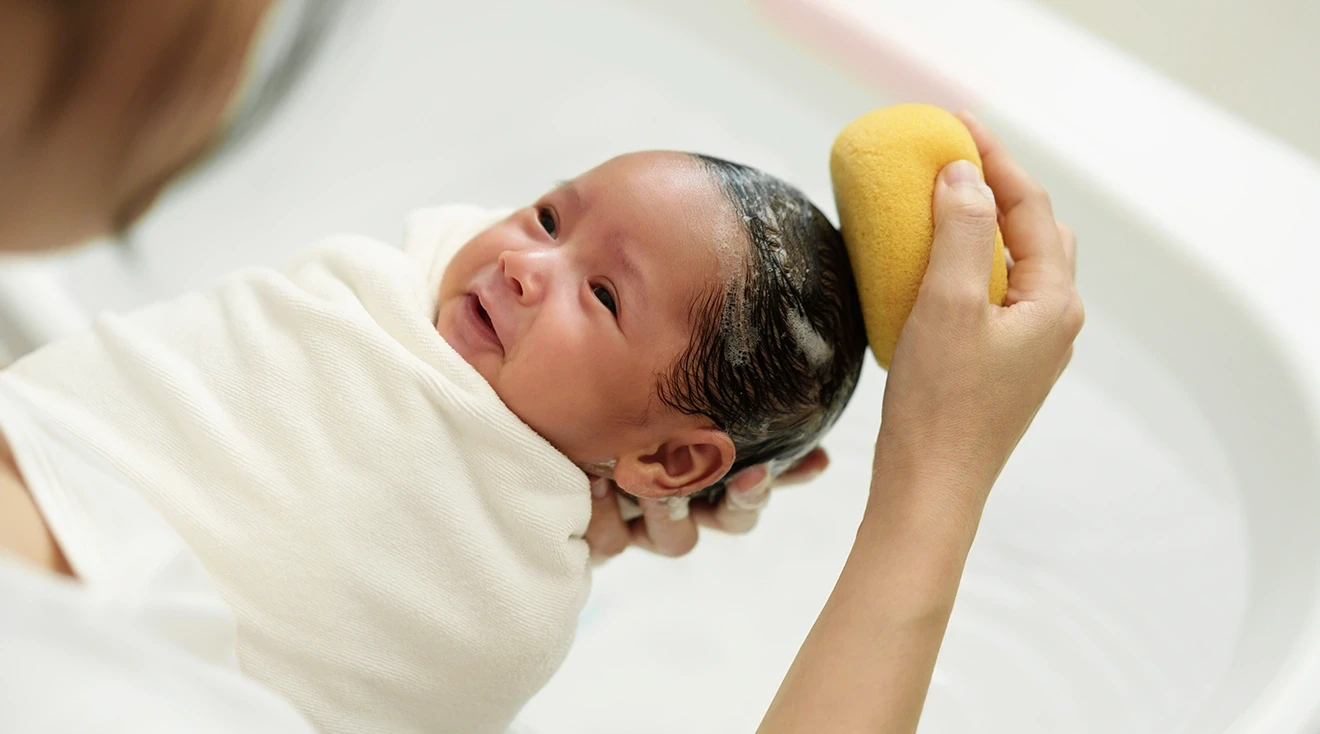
x=629, y=267
x=570, y=189
x=616, y=243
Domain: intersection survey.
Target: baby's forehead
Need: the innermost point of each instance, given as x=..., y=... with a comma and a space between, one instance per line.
x=665, y=196
x=661, y=179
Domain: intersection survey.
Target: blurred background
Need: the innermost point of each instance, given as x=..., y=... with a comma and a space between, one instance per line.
x=1109, y=589
x=355, y=110
x=1258, y=58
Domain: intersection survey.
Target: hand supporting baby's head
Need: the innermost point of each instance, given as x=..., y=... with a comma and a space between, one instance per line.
x=669, y=316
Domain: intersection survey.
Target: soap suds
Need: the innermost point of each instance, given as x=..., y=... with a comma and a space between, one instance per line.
x=739, y=333
x=603, y=468
x=793, y=264
x=678, y=508
x=813, y=346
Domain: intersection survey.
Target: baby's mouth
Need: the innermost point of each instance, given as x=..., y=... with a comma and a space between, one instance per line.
x=484, y=322
x=481, y=312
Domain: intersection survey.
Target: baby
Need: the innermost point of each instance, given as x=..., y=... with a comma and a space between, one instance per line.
x=377, y=461
x=665, y=318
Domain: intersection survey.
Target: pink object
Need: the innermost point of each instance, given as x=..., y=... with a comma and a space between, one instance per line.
x=888, y=55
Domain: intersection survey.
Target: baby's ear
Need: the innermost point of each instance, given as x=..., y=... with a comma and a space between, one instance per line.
x=688, y=462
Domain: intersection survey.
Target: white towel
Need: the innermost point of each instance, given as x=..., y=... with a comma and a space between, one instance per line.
x=402, y=552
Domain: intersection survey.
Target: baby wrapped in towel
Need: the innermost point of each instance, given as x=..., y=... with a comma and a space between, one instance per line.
x=379, y=459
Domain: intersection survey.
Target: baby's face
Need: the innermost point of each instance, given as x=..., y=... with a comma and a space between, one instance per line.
x=573, y=307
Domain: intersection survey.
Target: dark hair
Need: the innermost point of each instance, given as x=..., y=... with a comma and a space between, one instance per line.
x=776, y=355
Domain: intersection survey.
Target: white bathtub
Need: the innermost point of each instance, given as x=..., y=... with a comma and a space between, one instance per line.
x=1149, y=560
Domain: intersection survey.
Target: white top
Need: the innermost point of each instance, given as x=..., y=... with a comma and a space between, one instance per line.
x=72, y=665
x=401, y=552
x=142, y=644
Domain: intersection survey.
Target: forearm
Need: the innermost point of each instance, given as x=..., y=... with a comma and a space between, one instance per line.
x=867, y=663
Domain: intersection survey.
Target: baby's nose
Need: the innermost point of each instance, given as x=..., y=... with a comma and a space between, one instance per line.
x=525, y=274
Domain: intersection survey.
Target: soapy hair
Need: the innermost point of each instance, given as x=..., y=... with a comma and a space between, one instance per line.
x=776, y=353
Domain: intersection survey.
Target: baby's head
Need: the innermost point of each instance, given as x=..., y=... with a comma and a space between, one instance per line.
x=664, y=318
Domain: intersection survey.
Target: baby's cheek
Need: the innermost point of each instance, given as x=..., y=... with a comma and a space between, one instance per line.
x=566, y=395
x=550, y=412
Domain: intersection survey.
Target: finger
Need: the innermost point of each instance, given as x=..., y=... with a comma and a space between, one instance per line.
x=748, y=478
x=737, y=511
x=1026, y=207
x=1014, y=188
x=806, y=469
x=1068, y=238
x=963, y=248
x=659, y=531
x=607, y=534
x=725, y=519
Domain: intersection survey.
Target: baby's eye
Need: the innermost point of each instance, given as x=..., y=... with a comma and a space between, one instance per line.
x=603, y=295
x=547, y=219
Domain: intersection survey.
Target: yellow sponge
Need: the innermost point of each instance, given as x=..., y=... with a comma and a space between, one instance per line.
x=884, y=165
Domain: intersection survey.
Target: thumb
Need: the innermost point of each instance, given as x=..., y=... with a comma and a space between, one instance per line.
x=962, y=253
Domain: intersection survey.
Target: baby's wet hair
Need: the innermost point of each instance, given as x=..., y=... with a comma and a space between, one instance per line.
x=776, y=354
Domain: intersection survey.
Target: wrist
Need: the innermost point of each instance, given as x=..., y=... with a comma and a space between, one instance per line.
x=937, y=505
x=955, y=470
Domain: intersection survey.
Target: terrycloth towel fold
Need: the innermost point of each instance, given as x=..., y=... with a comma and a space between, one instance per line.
x=401, y=551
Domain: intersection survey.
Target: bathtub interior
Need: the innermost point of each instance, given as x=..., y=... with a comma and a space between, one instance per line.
x=1145, y=563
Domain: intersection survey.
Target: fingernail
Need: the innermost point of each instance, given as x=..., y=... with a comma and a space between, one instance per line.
x=748, y=501
x=600, y=487
x=962, y=173
x=753, y=497
x=965, y=175
x=749, y=478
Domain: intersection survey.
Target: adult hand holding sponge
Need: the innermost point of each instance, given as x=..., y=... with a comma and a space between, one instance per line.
x=967, y=380
x=884, y=166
